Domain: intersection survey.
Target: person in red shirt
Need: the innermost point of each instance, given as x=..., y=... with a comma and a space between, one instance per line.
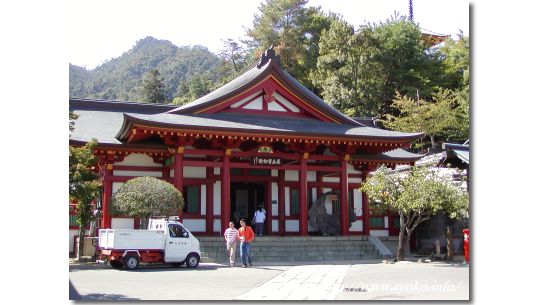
x=246, y=236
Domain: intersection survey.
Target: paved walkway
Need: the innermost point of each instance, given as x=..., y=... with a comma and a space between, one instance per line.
x=311, y=282
x=400, y=281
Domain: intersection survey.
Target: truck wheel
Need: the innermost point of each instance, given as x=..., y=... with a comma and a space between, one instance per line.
x=192, y=260
x=116, y=264
x=131, y=262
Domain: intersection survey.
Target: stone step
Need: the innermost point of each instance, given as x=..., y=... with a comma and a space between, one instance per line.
x=293, y=238
x=294, y=248
x=257, y=259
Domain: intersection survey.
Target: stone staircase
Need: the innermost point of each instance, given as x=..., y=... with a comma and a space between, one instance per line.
x=293, y=248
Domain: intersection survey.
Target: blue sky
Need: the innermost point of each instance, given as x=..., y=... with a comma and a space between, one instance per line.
x=103, y=29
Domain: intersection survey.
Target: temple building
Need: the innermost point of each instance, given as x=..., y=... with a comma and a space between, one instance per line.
x=263, y=138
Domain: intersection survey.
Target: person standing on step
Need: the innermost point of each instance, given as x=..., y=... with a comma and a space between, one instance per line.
x=231, y=235
x=246, y=236
x=259, y=220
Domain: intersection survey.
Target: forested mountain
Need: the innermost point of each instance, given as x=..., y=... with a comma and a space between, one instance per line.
x=389, y=70
x=121, y=78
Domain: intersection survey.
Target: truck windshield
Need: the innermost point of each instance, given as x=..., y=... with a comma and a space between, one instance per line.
x=177, y=231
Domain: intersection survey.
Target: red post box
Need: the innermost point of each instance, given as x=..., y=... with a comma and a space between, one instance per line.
x=466, y=244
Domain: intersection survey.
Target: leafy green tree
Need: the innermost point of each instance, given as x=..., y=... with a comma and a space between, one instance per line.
x=235, y=53
x=360, y=71
x=415, y=196
x=152, y=90
x=454, y=55
x=345, y=73
x=83, y=186
x=194, y=88
x=445, y=117
x=294, y=31
x=145, y=197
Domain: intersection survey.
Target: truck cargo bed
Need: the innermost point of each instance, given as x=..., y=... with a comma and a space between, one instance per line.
x=123, y=239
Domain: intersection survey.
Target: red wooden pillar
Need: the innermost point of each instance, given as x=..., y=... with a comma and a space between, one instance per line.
x=365, y=210
x=225, y=191
x=107, y=196
x=303, y=208
x=281, y=203
x=209, y=201
x=344, y=222
x=178, y=173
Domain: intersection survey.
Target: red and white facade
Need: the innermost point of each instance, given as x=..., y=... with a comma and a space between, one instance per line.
x=260, y=139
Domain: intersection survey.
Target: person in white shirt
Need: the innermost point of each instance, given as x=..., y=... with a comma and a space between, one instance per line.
x=230, y=235
x=259, y=219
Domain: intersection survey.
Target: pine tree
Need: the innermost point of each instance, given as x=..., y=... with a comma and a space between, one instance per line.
x=153, y=87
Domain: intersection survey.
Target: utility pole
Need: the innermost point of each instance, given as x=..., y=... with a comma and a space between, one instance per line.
x=411, y=10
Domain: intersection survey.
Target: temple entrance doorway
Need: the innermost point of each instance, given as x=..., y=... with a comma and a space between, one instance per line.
x=245, y=199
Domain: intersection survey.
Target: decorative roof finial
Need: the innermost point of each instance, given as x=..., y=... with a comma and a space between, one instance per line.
x=267, y=55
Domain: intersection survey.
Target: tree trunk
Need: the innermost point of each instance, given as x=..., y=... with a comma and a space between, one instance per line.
x=80, y=242
x=402, y=240
x=432, y=139
x=449, y=247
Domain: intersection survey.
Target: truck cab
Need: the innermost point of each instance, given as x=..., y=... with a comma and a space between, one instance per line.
x=165, y=241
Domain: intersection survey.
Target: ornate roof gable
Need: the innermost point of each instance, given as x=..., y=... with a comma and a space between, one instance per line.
x=266, y=89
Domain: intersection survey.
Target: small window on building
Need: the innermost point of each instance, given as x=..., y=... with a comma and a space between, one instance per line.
x=191, y=196
x=294, y=201
x=377, y=222
x=236, y=172
x=396, y=221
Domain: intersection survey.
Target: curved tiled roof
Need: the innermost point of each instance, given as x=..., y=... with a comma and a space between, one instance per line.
x=268, y=64
x=259, y=124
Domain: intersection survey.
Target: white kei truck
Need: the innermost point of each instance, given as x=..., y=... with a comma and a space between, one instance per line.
x=165, y=241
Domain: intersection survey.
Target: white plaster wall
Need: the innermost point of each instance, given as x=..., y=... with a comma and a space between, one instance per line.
x=274, y=197
x=116, y=186
x=275, y=107
x=357, y=198
x=287, y=201
x=203, y=200
x=138, y=173
x=72, y=234
x=216, y=226
x=216, y=170
x=241, y=102
x=274, y=173
x=292, y=176
x=356, y=226
x=311, y=176
x=331, y=179
x=138, y=160
x=379, y=232
x=122, y=223
x=314, y=194
x=292, y=225
x=194, y=172
x=256, y=104
x=195, y=225
x=386, y=222
x=354, y=180
x=285, y=102
x=274, y=224
x=216, y=198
